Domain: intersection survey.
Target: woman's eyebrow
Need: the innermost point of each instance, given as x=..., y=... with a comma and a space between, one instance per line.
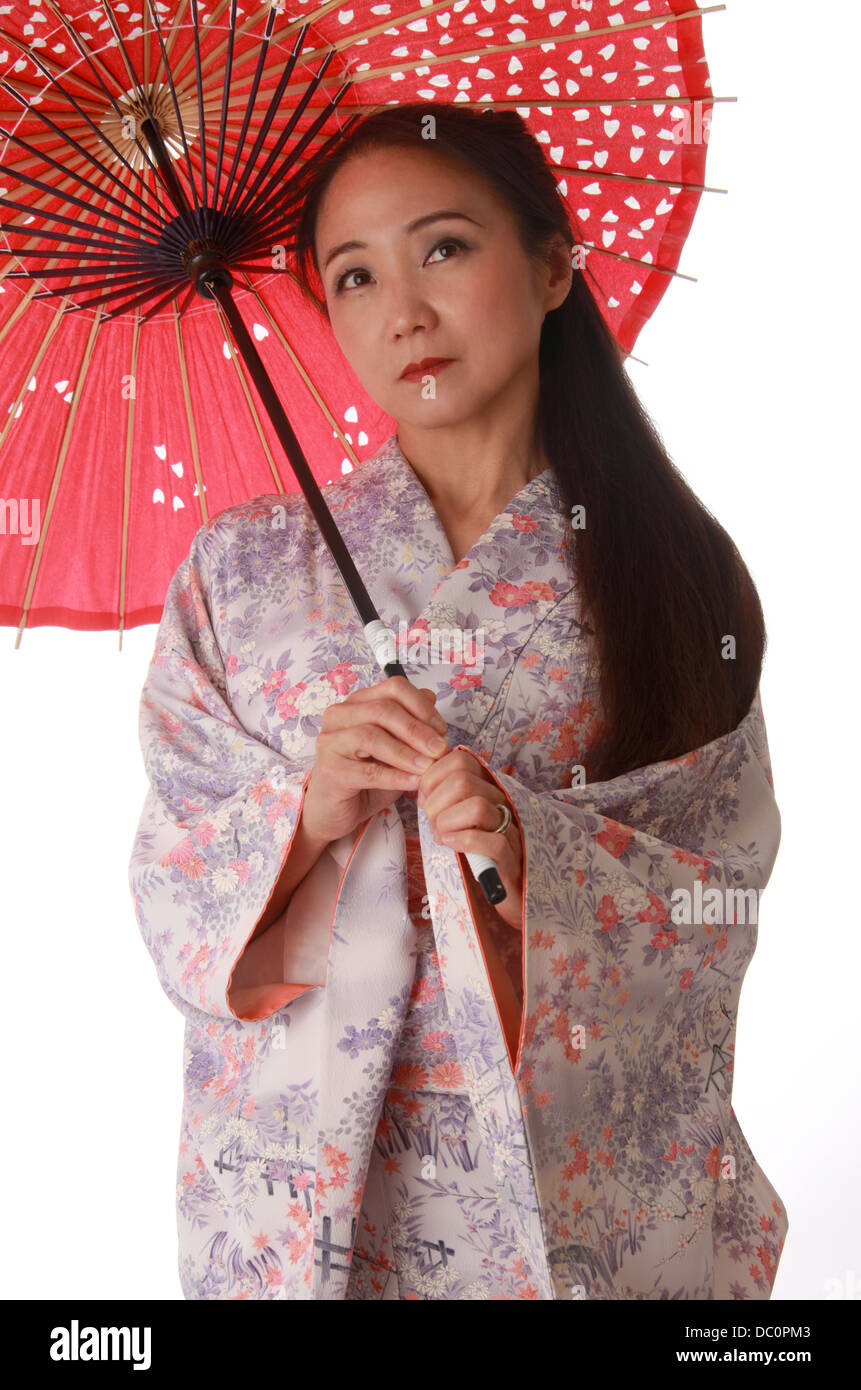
x=410, y=227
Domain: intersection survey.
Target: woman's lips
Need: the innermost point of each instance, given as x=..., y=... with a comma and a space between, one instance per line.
x=422, y=372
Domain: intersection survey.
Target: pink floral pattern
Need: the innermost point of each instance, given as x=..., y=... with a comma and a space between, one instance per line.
x=353, y=1123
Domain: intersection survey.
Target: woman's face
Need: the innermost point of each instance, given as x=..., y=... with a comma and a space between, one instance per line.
x=457, y=287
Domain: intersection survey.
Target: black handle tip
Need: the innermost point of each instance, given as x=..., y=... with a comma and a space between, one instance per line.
x=492, y=885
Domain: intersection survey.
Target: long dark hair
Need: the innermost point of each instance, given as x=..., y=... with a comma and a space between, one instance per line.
x=661, y=583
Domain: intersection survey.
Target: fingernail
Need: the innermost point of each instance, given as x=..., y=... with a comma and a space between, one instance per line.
x=422, y=762
x=437, y=745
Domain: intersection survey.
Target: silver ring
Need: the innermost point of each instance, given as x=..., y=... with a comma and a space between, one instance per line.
x=506, y=820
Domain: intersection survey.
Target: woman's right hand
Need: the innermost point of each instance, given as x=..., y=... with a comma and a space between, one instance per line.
x=366, y=754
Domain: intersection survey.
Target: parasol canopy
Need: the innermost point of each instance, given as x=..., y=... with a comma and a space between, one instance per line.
x=136, y=135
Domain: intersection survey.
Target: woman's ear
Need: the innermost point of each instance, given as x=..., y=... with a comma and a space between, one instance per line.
x=559, y=273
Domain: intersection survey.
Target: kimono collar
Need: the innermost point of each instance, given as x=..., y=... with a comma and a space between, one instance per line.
x=514, y=574
x=527, y=497
x=411, y=534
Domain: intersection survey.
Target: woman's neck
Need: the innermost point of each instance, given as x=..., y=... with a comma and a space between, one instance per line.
x=471, y=487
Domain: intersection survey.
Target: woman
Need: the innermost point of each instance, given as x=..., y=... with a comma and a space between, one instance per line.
x=394, y=1090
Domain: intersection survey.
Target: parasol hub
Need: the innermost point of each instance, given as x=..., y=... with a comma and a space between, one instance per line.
x=206, y=265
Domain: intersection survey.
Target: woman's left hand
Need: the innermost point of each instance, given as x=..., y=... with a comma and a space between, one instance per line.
x=461, y=801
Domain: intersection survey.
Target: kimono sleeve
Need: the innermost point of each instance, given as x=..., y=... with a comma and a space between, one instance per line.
x=216, y=828
x=640, y=917
x=649, y=836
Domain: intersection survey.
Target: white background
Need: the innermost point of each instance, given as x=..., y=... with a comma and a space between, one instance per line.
x=752, y=380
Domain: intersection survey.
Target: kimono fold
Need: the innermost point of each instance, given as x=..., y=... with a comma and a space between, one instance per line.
x=354, y=1123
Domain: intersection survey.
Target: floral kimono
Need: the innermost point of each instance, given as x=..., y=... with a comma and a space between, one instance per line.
x=364, y=1115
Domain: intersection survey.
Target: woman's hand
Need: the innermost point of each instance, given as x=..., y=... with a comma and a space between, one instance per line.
x=461, y=801
x=372, y=746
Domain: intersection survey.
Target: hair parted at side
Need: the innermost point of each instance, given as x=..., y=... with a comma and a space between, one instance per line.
x=661, y=583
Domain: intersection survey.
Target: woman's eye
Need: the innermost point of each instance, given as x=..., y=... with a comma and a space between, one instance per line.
x=341, y=282
x=342, y=279
x=451, y=241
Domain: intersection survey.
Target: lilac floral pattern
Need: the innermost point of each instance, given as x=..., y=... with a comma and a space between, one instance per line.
x=354, y=1123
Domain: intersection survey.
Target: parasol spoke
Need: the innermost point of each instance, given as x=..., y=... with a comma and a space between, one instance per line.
x=189, y=413
x=41, y=207
x=70, y=237
x=674, y=185
x=249, y=112
x=66, y=135
x=179, y=25
x=133, y=303
x=121, y=258
x=281, y=174
x=229, y=202
x=127, y=478
x=649, y=265
x=225, y=99
x=58, y=468
x=14, y=171
x=121, y=115
x=55, y=216
x=201, y=116
x=103, y=74
x=237, y=31
x=295, y=116
x=96, y=66
x=151, y=127
x=258, y=234
x=149, y=285
x=488, y=50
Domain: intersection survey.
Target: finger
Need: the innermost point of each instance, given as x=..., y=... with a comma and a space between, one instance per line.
x=475, y=813
x=444, y=767
x=416, y=735
x=354, y=774
x=458, y=790
x=402, y=707
x=419, y=701
x=424, y=708
x=372, y=742
x=496, y=847
x=448, y=781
